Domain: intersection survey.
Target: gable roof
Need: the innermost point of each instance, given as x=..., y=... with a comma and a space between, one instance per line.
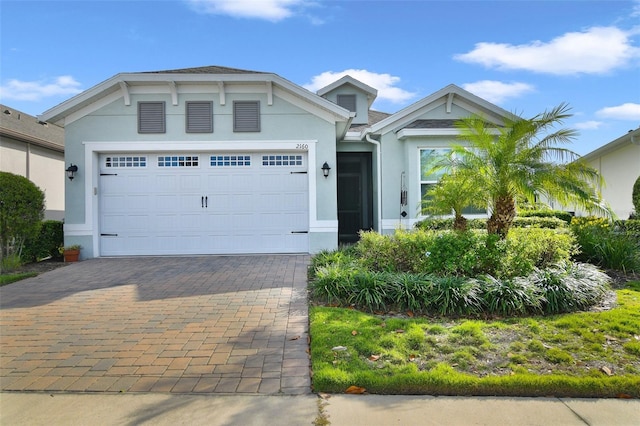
x=347, y=79
x=409, y=117
x=631, y=137
x=210, y=69
x=208, y=74
x=20, y=126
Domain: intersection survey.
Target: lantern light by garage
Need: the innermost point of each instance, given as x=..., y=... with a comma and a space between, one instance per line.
x=71, y=171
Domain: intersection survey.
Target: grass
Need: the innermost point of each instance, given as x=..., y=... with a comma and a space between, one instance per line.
x=12, y=278
x=585, y=354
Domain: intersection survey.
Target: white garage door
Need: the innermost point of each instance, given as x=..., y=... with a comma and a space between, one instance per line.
x=206, y=203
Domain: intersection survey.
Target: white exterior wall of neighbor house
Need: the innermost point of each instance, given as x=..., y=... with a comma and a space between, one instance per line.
x=43, y=166
x=112, y=127
x=620, y=168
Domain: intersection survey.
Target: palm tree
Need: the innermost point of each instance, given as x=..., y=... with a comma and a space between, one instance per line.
x=524, y=158
x=454, y=192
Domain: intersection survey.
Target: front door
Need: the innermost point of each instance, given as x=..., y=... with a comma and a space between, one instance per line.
x=355, y=195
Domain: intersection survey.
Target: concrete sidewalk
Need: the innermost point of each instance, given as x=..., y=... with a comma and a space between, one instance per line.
x=370, y=410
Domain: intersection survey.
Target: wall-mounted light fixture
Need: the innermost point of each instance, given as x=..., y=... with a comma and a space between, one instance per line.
x=325, y=169
x=71, y=171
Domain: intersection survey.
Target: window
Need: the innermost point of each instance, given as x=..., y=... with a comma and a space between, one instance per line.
x=246, y=116
x=348, y=102
x=428, y=159
x=151, y=117
x=230, y=160
x=199, y=117
x=125, y=161
x=178, y=161
x=282, y=160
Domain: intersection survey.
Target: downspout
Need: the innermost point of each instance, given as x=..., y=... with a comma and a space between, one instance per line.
x=379, y=178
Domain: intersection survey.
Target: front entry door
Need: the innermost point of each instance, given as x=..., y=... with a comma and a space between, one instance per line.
x=355, y=195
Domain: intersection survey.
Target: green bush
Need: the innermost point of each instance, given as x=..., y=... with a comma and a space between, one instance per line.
x=606, y=245
x=549, y=291
x=529, y=248
x=21, y=210
x=469, y=253
x=635, y=196
x=46, y=243
x=559, y=214
x=551, y=222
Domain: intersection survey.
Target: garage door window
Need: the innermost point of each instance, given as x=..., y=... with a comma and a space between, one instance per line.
x=282, y=160
x=125, y=161
x=230, y=160
x=178, y=161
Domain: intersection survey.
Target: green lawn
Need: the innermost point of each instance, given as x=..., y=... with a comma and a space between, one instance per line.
x=587, y=354
x=12, y=278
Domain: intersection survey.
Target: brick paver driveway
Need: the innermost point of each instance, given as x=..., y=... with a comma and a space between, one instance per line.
x=224, y=324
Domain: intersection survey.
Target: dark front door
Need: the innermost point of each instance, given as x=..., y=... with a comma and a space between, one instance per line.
x=355, y=195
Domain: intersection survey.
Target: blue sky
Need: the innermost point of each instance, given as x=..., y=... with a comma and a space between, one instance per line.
x=525, y=56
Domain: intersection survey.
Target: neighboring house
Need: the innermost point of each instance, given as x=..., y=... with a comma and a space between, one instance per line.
x=217, y=160
x=34, y=149
x=618, y=162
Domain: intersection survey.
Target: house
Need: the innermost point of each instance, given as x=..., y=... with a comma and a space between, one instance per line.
x=34, y=149
x=217, y=160
x=618, y=162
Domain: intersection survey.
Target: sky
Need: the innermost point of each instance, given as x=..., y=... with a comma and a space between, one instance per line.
x=524, y=56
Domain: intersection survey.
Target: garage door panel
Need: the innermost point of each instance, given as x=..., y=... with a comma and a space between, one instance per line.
x=249, y=208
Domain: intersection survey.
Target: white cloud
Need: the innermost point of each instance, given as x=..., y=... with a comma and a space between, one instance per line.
x=589, y=125
x=595, y=51
x=497, y=91
x=627, y=111
x=385, y=84
x=37, y=90
x=269, y=10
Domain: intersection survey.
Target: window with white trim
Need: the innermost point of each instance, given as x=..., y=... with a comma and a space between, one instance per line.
x=122, y=161
x=151, y=117
x=230, y=160
x=429, y=157
x=282, y=160
x=178, y=161
x=246, y=116
x=199, y=116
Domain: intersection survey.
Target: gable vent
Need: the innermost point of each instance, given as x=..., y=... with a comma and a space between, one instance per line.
x=347, y=102
x=151, y=117
x=246, y=116
x=199, y=117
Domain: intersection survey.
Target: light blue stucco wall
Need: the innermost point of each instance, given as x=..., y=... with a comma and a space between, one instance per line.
x=281, y=121
x=362, y=102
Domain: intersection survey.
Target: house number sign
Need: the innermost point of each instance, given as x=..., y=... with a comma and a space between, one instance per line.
x=302, y=146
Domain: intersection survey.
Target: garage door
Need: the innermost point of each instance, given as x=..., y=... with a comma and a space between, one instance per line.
x=205, y=203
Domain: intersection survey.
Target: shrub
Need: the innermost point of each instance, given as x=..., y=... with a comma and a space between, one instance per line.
x=605, y=245
x=519, y=222
x=635, y=196
x=456, y=296
x=21, y=210
x=46, y=243
x=571, y=288
x=529, y=248
x=559, y=214
x=511, y=297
